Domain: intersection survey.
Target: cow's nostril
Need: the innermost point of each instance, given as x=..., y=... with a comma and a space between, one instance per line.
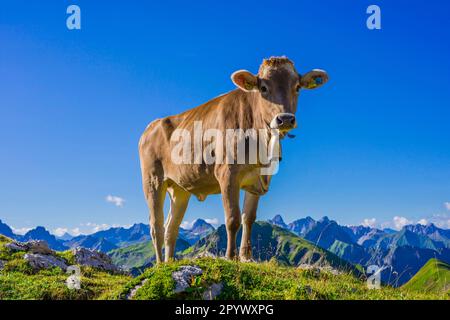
x=279, y=121
x=292, y=120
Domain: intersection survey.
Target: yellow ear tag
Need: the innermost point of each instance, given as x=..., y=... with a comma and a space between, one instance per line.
x=312, y=84
x=315, y=82
x=248, y=85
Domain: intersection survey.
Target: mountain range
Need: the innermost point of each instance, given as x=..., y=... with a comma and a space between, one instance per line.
x=400, y=253
x=323, y=242
x=105, y=240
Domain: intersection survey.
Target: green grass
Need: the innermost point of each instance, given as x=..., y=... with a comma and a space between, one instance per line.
x=19, y=281
x=50, y=284
x=267, y=280
x=242, y=281
x=433, y=277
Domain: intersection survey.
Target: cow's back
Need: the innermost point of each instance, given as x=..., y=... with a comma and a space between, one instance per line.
x=229, y=111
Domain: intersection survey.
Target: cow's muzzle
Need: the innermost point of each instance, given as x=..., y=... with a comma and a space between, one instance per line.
x=283, y=122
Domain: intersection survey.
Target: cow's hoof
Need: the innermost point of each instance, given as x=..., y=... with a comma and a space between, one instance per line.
x=246, y=259
x=234, y=258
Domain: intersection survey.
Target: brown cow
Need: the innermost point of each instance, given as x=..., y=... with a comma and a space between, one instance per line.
x=266, y=101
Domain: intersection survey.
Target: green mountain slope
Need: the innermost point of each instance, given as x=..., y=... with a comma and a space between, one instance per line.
x=133, y=256
x=349, y=252
x=433, y=277
x=272, y=242
x=139, y=255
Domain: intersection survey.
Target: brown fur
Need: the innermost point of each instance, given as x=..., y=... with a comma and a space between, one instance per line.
x=239, y=108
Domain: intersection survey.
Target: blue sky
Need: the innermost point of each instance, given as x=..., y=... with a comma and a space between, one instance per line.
x=374, y=143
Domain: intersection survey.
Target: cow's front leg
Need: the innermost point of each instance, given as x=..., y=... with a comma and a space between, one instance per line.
x=179, y=200
x=230, y=199
x=248, y=218
x=155, y=198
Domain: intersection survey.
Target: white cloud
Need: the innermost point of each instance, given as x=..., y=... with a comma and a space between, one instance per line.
x=447, y=205
x=441, y=220
x=87, y=228
x=400, y=222
x=385, y=225
x=94, y=227
x=213, y=221
x=117, y=201
x=187, y=224
x=20, y=231
x=75, y=232
x=372, y=222
x=423, y=222
x=60, y=231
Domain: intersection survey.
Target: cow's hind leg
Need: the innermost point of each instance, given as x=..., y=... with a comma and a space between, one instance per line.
x=179, y=200
x=248, y=218
x=155, y=193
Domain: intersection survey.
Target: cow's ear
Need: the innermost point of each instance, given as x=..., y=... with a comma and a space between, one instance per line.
x=245, y=80
x=314, y=79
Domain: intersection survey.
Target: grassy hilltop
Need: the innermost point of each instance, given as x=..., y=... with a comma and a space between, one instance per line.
x=265, y=280
x=19, y=281
x=434, y=277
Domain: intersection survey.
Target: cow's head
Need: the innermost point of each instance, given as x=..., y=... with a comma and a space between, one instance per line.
x=277, y=86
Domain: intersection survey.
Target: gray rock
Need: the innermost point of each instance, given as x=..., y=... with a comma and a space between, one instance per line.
x=308, y=290
x=317, y=270
x=92, y=258
x=133, y=291
x=2, y=265
x=34, y=246
x=39, y=246
x=16, y=246
x=40, y=261
x=213, y=291
x=184, y=276
x=205, y=254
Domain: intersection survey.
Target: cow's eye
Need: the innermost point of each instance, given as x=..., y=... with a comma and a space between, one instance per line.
x=263, y=89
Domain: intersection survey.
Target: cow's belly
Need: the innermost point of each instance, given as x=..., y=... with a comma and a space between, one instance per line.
x=196, y=179
x=200, y=180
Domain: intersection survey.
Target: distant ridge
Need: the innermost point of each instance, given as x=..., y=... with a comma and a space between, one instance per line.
x=433, y=277
x=6, y=230
x=401, y=253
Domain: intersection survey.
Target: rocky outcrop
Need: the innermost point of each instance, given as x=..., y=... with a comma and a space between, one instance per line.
x=317, y=270
x=34, y=246
x=183, y=277
x=39, y=256
x=213, y=291
x=92, y=258
x=133, y=291
x=40, y=261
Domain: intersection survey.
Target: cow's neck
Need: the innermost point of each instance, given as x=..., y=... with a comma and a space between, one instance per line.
x=261, y=119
